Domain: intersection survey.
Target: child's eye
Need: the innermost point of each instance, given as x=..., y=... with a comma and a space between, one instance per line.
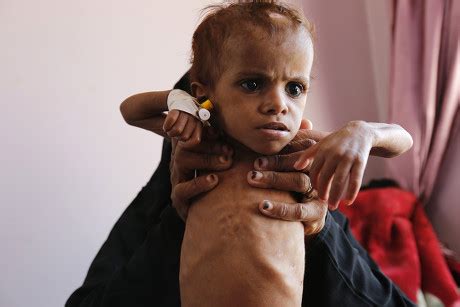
x=294, y=89
x=251, y=85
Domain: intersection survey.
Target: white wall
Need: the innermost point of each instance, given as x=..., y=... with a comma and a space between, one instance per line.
x=69, y=165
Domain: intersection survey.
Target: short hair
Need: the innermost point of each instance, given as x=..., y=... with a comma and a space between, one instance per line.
x=222, y=21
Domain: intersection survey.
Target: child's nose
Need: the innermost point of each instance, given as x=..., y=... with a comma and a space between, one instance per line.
x=274, y=103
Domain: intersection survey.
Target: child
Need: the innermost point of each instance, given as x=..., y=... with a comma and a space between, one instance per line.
x=253, y=62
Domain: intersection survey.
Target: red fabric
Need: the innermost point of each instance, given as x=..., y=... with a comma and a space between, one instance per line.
x=392, y=226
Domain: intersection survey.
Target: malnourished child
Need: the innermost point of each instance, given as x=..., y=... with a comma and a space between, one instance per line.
x=252, y=63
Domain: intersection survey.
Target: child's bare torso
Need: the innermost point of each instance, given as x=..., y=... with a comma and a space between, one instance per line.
x=232, y=255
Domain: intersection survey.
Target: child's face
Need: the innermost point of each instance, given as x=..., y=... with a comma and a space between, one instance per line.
x=261, y=94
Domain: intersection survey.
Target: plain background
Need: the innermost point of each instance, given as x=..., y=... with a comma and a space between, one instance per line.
x=69, y=164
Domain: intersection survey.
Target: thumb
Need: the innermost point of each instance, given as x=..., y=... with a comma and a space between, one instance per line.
x=306, y=124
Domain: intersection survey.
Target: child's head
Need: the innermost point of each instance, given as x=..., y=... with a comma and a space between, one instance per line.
x=253, y=61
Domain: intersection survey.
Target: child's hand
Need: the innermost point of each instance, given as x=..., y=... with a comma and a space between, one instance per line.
x=183, y=126
x=339, y=158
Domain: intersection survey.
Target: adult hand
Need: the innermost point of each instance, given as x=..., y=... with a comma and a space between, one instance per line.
x=186, y=159
x=277, y=172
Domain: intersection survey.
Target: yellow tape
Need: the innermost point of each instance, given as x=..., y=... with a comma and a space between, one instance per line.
x=207, y=105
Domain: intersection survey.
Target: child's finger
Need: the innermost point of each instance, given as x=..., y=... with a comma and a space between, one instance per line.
x=315, y=169
x=170, y=120
x=338, y=185
x=356, y=178
x=188, y=129
x=325, y=177
x=305, y=157
x=179, y=125
x=195, y=138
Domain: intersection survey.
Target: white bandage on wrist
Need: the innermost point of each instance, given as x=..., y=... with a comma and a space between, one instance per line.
x=183, y=101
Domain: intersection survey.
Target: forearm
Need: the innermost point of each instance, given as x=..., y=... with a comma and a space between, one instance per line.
x=146, y=110
x=388, y=140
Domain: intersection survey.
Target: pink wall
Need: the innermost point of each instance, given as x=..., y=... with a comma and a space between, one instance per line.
x=344, y=88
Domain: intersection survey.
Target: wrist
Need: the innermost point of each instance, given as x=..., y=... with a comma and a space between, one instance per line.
x=365, y=130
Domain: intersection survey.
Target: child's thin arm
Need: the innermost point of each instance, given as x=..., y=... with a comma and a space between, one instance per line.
x=336, y=163
x=390, y=140
x=146, y=110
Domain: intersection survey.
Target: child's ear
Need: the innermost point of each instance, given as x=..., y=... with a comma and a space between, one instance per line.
x=306, y=124
x=199, y=90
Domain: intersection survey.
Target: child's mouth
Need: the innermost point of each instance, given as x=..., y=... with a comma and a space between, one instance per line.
x=275, y=126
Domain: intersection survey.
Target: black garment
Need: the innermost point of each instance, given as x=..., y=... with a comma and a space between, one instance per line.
x=138, y=265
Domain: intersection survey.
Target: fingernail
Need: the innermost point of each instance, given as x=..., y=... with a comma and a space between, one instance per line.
x=262, y=162
x=256, y=175
x=223, y=159
x=211, y=178
x=267, y=205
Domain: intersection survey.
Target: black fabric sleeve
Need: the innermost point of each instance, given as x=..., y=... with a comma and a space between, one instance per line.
x=339, y=272
x=131, y=267
x=138, y=263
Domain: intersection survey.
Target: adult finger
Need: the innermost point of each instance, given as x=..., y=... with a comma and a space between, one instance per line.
x=283, y=181
x=206, y=146
x=306, y=124
x=188, y=160
x=297, y=144
x=280, y=163
x=311, y=134
x=312, y=214
x=183, y=192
